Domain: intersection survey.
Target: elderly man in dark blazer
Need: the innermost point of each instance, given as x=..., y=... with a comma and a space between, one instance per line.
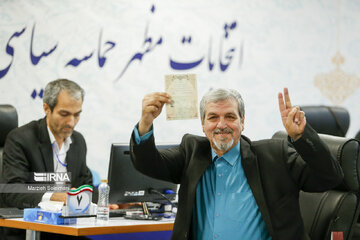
x=232, y=187
x=47, y=145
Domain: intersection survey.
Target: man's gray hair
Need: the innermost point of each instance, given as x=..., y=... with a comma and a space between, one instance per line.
x=219, y=94
x=53, y=89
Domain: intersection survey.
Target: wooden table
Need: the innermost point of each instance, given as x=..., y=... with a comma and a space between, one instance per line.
x=88, y=226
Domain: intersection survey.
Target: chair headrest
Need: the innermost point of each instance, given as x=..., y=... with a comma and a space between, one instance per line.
x=8, y=121
x=347, y=152
x=330, y=120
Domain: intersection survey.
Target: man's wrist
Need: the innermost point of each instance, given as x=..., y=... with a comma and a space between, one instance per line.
x=143, y=128
x=139, y=139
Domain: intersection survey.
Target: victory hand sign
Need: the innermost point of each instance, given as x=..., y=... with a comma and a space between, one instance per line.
x=293, y=119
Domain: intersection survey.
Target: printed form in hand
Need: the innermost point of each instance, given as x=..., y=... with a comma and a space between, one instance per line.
x=183, y=91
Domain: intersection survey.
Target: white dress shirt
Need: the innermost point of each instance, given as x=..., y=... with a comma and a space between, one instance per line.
x=59, y=159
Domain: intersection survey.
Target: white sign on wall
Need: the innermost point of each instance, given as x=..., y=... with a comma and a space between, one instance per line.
x=120, y=50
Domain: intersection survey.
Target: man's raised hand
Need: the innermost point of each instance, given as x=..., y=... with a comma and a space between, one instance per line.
x=152, y=105
x=293, y=119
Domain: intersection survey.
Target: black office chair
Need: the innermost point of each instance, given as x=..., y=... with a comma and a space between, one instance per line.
x=356, y=235
x=357, y=136
x=8, y=121
x=330, y=120
x=336, y=209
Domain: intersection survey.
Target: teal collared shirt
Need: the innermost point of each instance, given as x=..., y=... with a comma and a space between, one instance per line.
x=224, y=207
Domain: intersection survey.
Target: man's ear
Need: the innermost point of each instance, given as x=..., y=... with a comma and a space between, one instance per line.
x=47, y=109
x=202, y=125
x=243, y=123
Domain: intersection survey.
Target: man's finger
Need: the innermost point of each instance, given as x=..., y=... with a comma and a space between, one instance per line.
x=287, y=98
x=301, y=116
x=151, y=109
x=297, y=115
x=281, y=102
x=155, y=102
x=163, y=97
x=291, y=116
x=114, y=206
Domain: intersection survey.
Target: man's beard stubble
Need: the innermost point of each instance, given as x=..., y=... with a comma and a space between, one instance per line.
x=222, y=146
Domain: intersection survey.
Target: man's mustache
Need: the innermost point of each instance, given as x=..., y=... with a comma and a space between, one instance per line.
x=221, y=131
x=67, y=126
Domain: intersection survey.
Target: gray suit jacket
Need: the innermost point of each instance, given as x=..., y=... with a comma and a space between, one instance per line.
x=28, y=149
x=275, y=171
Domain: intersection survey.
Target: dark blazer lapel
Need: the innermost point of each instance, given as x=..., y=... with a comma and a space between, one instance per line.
x=201, y=160
x=45, y=146
x=71, y=157
x=251, y=169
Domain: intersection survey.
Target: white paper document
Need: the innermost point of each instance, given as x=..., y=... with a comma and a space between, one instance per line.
x=183, y=91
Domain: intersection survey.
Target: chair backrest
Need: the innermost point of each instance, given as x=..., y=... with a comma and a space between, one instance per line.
x=330, y=120
x=357, y=136
x=336, y=209
x=8, y=121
